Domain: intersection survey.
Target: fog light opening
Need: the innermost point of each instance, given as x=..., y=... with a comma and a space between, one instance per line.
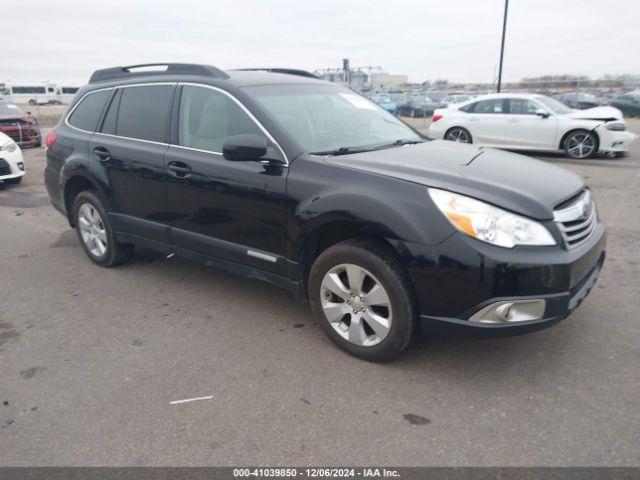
x=511, y=312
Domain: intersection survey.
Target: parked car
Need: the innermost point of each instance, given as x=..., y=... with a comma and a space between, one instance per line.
x=11, y=161
x=533, y=122
x=454, y=99
x=436, y=97
x=579, y=100
x=418, y=106
x=314, y=188
x=20, y=126
x=628, y=103
x=386, y=103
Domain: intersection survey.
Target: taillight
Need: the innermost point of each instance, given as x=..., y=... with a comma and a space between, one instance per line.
x=52, y=136
x=436, y=117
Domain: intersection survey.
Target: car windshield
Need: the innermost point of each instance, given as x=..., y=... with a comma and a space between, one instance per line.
x=554, y=105
x=325, y=119
x=10, y=109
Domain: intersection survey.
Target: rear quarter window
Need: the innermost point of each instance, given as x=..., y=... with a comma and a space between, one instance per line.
x=85, y=116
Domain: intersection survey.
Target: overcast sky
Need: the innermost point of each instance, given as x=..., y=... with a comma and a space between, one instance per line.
x=66, y=40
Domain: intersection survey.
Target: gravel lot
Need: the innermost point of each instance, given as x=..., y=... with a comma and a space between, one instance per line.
x=91, y=358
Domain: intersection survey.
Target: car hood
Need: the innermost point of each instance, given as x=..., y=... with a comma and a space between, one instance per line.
x=597, y=113
x=508, y=180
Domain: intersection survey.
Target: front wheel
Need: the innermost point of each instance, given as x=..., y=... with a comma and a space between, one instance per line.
x=95, y=232
x=363, y=300
x=458, y=134
x=581, y=144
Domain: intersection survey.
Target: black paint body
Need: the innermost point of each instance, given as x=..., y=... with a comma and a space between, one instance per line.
x=290, y=208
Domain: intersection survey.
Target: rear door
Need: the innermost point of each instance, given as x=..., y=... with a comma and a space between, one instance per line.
x=486, y=121
x=234, y=210
x=130, y=146
x=525, y=129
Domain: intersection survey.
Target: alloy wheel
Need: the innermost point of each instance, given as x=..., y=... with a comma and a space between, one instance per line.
x=458, y=135
x=581, y=145
x=356, y=305
x=92, y=230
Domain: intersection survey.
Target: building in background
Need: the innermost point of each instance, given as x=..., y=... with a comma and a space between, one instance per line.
x=387, y=80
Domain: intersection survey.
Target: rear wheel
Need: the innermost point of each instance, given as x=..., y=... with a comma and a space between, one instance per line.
x=95, y=232
x=363, y=300
x=458, y=134
x=581, y=144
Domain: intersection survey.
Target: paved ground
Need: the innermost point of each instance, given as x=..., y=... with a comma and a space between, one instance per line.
x=90, y=359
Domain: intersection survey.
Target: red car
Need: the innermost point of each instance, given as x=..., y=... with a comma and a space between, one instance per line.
x=20, y=126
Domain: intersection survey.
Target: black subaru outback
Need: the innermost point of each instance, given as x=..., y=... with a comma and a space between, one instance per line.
x=310, y=186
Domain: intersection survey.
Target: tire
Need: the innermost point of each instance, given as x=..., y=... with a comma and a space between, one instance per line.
x=458, y=134
x=95, y=233
x=32, y=102
x=581, y=144
x=367, y=330
x=13, y=181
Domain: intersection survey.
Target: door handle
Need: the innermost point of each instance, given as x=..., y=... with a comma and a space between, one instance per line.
x=179, y=169
x=102, y=153
x=513, y=120
x=474, y=119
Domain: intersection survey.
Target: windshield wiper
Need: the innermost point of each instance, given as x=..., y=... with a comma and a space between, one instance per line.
x=350, y=150
x=399, y=142
x=342, y=151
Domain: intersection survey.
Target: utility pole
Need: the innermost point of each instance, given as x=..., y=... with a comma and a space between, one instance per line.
x=504, y=31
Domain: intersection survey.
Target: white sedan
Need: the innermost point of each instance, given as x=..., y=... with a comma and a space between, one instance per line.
x=522, y=121
x=11, y=161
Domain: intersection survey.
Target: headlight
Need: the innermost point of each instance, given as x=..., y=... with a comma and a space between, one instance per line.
x=9, y=147
x=488, y=223
x=616, y=126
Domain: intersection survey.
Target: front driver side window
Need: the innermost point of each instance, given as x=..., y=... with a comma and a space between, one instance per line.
x=208, y=118
x=522, y=106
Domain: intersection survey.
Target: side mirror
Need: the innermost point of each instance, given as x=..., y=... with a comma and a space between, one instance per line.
x=244, y=148
x=542, y=113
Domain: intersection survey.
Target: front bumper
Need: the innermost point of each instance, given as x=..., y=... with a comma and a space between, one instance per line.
x=11, y=165
x=24, y=136
x=613, y=141
x=461, y=276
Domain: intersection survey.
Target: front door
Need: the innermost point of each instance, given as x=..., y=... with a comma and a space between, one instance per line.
x=526, y=129
x=233, y=210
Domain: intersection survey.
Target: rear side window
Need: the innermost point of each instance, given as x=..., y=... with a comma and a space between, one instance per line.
x=85, y=116
x=488, y=106
x=109, y=124
x=144, y=111
x=208, y=118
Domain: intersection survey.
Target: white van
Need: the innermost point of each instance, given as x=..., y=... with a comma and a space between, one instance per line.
x=37, y=93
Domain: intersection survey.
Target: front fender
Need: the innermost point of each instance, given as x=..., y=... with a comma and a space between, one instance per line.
x=381, y=206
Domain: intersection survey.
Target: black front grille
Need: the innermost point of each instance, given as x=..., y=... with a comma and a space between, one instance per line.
x=5, y=169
